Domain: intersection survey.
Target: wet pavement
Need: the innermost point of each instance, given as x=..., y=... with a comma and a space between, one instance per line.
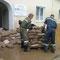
x=17, y=53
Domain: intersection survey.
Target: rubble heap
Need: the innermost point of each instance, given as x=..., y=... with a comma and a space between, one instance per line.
x=36, y=37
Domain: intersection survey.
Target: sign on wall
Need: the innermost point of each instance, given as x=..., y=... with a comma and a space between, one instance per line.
x=20, y=10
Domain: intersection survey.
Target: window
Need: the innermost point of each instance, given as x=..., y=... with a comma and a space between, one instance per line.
x=40, y=13
x=59, y=15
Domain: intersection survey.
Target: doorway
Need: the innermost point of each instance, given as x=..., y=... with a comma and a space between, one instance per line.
x=6, y=21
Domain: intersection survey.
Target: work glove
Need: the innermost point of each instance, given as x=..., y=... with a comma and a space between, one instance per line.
x=27, y=30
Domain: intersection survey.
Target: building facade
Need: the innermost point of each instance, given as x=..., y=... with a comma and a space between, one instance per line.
x=13, y=10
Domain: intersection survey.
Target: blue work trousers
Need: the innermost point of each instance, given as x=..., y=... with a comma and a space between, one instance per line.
x=50, y=35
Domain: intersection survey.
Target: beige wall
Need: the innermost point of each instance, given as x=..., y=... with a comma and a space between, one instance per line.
x=31, y=8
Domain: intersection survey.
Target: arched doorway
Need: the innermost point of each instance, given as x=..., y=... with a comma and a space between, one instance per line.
x=6, y=17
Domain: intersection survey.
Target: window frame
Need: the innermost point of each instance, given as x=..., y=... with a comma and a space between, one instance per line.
x=39, y=20
x=59, y=15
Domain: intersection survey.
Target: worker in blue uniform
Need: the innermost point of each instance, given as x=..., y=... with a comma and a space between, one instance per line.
x=50, y=33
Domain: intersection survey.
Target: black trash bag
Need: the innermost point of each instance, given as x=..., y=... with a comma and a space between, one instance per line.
x=32, y=25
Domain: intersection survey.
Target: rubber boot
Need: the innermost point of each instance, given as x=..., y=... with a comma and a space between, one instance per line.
x=53, y=49
x=46, y=48
x=26, y=48
x=22, y=44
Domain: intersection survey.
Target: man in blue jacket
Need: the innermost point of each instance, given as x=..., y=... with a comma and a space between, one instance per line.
x=50, y=32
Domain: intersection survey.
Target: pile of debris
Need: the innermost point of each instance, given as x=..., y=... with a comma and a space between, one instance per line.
x=36, y=37
x=9, y=38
